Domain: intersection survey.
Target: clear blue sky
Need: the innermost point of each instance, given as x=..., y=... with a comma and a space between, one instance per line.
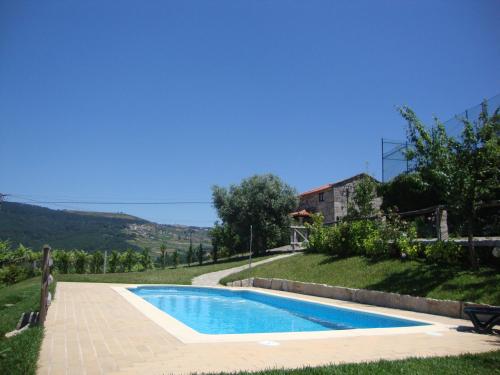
x=159, y=100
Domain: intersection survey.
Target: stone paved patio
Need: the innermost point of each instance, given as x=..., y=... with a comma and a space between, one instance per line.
x=91, y=329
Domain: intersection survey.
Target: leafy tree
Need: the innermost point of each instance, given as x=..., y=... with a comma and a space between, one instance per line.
x=145, y=259
x=96, y=262
x=464, y=173
x=476, y=176
x=407, y=192
x=200, y=254
x=190, y=253
x=223, y=239
x=361, y=205
x=163, y=251
x=215, y=250
x=263, y=201
x=114, y=261
x=175, y=258
x=431, y=154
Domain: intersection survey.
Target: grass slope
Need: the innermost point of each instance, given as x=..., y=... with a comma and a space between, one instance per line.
x=19, y=354
x=408, y=277
x=485, y=363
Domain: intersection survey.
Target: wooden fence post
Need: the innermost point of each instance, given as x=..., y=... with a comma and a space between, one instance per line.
x=45, y=285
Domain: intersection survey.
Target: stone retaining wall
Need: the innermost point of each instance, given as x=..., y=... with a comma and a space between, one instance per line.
x=453, y=309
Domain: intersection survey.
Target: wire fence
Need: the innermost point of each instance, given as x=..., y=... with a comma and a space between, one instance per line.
x=394, y=161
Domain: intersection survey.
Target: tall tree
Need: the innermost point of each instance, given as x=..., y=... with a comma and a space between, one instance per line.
x=463, y=172
x=476, y=176
x=175, y=258
x=145, y=259
x=200, y=254
x=263, y=201
x=163, y=252
x=223, y=240
x=361, y=206
x=190, y=253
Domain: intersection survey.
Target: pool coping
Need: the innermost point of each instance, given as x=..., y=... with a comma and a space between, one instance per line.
x=187, y=335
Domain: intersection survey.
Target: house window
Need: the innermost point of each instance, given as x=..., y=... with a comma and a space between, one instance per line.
x=321, y=197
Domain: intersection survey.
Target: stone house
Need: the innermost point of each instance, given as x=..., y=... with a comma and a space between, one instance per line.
x=332, y=199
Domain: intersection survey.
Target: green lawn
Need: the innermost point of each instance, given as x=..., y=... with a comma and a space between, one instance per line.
x=486, y=363
x=181, y=275
x=408, y=277
x=18, y=355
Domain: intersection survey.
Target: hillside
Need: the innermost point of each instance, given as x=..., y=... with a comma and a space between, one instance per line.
x=414, y=277
x=34, y=226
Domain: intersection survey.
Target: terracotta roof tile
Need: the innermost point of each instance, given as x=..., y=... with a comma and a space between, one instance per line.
x=317, y=190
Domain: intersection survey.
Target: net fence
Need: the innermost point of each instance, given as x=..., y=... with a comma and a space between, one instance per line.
x=394, y=161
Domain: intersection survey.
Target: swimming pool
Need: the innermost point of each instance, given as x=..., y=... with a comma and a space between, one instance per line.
x=220, y=311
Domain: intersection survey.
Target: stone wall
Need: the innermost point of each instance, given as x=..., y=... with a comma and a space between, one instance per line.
x=311, y=203
x=453, y=309
x=336, y=198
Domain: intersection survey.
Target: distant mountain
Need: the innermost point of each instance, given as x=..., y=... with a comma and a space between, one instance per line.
x=34, y=226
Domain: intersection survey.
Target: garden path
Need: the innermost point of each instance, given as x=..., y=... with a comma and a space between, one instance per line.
x=213, y=278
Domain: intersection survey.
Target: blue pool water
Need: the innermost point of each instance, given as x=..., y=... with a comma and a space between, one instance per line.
x=219, y=311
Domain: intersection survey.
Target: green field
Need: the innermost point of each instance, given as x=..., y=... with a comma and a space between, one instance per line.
x=416, y=278
x=180, y=275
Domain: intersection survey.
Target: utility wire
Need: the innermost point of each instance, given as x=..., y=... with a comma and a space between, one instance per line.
x=116, y=203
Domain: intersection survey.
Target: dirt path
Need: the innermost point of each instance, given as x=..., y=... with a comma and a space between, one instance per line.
x=213, y=278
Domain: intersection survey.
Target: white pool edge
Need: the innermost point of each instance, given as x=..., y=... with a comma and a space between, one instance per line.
x=187, y=335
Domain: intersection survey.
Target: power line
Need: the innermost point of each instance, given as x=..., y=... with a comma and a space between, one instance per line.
x=117, y=203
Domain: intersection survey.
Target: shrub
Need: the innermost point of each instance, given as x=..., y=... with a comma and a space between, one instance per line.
x=338, y=240
x=128, y=260
x=145, y=259
x=318, y=235
x=406, y=242
x=357, y=232
x=80, y=257
x=375, y=245
x=62, y=260
x=12, y=274
x=114, y=261
x=96, y=262
x=444, y=252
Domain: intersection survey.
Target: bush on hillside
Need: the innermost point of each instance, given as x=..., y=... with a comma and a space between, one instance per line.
x=445, y=252
x=318, y=235
x=12, y=274
x=372, y=238
x=62, y=260
x=81, y=259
